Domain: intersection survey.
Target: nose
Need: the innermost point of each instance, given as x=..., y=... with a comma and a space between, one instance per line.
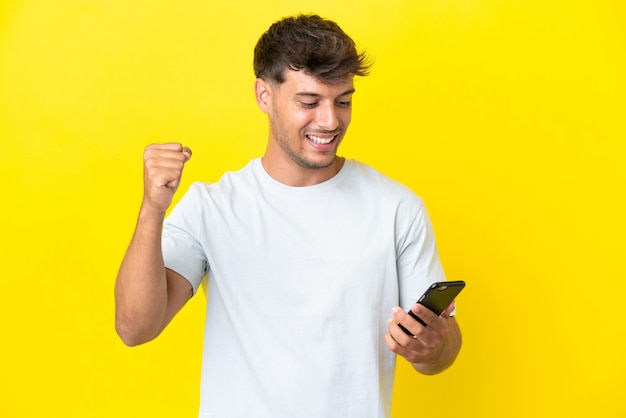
x=327, y=117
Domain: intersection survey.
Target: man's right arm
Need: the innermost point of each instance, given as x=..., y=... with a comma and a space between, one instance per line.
x=147, y=295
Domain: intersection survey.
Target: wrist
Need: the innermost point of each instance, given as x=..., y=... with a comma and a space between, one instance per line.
x=150, y=214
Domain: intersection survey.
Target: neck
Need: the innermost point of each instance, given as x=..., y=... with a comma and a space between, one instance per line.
x=291, y=174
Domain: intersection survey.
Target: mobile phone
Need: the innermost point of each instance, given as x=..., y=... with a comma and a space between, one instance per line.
x=437, y=298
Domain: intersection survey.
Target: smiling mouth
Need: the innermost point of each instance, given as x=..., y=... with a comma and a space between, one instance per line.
x=321, y=140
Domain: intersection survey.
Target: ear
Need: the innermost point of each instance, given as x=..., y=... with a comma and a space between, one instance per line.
x=263, y=94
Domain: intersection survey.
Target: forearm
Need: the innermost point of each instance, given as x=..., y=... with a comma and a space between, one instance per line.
x=141, y=285
x=447, y=353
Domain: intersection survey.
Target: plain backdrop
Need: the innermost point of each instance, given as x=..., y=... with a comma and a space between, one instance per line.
x=507, y=117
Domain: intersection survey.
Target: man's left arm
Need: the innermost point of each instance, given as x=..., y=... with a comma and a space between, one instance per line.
x=432, y=348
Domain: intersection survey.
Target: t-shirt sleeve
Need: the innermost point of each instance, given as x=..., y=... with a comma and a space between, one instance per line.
x=182, y=248
x=418, y=261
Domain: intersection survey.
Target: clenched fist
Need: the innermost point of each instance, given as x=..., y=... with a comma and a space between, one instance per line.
x=163, y=168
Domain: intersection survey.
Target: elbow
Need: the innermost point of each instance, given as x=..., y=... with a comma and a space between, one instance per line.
x=129, y=340
x=129, y=335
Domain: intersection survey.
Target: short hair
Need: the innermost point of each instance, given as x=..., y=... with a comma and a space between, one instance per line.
x=315, y=45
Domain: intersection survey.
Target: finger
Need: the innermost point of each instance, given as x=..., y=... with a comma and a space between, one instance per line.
x=400, y=350
x=408, y=338
x=165, y=173
x=164, y=153
x=424, y=341
x=446, y=313
x=162, y=172
x=427, y=316
x=168, y=150
x=399, y=332
x=410, y=347
x=165, y=168
x=172, y=146
x=400, y=318
x=409, y=322
x=165, y=163
x=170, y=166
x=435, y=324
x=393, y=344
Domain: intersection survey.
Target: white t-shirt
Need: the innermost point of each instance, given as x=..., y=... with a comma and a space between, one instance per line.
x=301, y=284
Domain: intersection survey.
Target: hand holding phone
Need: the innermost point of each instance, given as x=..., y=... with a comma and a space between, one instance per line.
x=437, y=298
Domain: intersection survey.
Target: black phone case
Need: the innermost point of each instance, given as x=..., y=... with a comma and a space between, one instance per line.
x=437, y=298
x=440, y=295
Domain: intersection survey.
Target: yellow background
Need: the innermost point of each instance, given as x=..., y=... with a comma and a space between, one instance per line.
x=506, y=116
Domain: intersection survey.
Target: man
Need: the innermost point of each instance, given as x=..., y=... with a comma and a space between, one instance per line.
x=305, y=252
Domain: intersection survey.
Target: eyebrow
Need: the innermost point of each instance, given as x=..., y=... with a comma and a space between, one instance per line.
x=311, y=94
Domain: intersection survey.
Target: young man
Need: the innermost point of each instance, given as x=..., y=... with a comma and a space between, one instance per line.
x=311, y=259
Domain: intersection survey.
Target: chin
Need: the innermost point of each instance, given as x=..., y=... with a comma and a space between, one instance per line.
x=316, y=164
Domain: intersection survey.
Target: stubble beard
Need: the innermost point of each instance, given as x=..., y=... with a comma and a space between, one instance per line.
x=282, y=137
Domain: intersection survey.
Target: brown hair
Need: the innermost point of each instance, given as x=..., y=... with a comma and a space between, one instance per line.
x=310, y=43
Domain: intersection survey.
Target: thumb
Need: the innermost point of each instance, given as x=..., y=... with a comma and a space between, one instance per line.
x=187, y=153
x=446, y=313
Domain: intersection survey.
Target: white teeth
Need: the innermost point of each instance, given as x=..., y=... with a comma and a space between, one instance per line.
x=319, y=140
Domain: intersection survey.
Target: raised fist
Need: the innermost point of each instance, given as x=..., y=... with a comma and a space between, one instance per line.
x=163, y=169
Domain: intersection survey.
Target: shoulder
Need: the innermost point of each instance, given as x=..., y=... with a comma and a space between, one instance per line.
x=202, y=196
x=380, y=184
x=229, y=182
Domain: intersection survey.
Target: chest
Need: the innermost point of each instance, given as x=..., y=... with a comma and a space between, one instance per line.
x=302, y=253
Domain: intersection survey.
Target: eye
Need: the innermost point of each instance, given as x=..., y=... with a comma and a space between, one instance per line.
x=308, y=105
x=345, y=103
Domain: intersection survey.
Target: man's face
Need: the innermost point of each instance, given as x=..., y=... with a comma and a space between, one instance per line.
x=308, y=119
